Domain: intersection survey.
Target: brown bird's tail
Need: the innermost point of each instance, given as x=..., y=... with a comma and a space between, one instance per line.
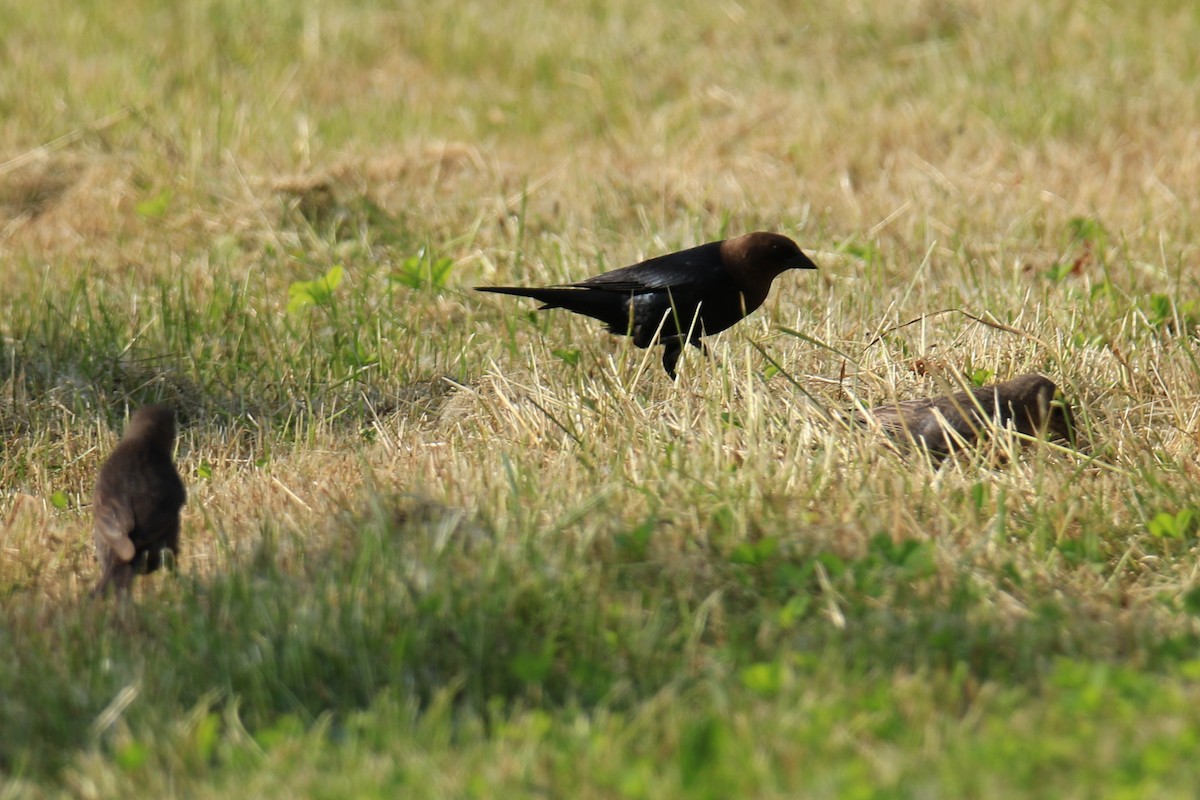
x=118, y=576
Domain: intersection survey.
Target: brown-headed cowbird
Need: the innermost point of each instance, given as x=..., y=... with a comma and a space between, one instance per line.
x=942, y=424
x=137, y=500
x=692, y=293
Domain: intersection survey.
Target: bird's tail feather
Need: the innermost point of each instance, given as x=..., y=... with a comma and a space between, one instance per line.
x=606, y=306
x=552, y=296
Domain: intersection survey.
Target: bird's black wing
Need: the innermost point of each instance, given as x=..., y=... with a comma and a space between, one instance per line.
x=696, y=266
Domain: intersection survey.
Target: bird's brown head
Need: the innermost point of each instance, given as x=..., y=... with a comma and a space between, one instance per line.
x=154, y=426
x=763, y=255
x=1038, y=406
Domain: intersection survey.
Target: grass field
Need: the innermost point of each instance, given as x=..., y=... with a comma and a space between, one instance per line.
x=438, y=545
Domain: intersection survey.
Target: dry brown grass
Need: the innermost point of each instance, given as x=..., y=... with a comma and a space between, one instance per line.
x=160, y=190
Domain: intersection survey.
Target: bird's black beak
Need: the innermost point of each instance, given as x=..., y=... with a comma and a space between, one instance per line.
x=801, y=261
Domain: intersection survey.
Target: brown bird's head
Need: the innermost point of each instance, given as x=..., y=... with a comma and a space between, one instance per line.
x=1036, y=406
x=757, y=256
x=154, y=427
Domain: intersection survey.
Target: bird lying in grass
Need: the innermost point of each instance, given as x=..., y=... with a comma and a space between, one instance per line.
x=1031, y=404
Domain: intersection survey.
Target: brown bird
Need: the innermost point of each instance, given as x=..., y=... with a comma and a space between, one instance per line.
x=137, y=500
x=1030, y=403
x=689, y=294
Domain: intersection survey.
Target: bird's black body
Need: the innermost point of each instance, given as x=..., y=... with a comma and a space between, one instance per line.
x=678, y=297
x=137, y=500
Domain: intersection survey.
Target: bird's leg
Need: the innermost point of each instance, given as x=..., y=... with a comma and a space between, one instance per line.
x=671, y=350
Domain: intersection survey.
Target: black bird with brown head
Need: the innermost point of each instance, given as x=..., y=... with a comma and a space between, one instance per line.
x=680, y=297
